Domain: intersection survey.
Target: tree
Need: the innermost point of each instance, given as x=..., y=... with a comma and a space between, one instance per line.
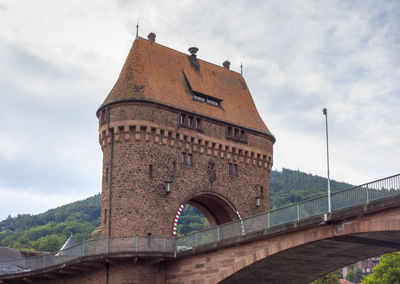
x=50, y=243
x=358, y=276
x=387, y=271
x=350, y=276
x=331, y=278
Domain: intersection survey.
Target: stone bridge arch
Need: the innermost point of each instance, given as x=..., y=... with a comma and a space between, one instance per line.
x=299, y=256
x=215, y=207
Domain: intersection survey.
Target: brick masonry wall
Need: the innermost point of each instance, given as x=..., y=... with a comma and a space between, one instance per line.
x=317, y=253
x=149, y=134
x=120, y=272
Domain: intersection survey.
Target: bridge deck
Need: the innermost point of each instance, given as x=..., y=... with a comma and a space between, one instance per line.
x=350, y=203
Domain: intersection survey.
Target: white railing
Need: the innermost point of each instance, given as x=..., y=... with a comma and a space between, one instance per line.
x=354, y=196
x=90, y=248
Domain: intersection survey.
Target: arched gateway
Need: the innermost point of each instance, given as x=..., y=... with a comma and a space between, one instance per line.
x=217, y=209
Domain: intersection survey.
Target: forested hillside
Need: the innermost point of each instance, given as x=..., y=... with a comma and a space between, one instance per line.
x=49, y=230
x=290, y=186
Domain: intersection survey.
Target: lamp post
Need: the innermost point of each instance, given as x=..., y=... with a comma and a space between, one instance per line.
x=325, y=112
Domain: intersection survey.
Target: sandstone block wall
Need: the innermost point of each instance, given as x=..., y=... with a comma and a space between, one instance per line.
x=149, y=140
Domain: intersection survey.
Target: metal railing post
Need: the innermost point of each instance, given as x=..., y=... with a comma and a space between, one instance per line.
x=164, y=245
x=268, y=226
x=298, y=213
x=218, y=233
x=366, y=188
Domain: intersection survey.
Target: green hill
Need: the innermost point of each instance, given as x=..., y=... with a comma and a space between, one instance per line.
x=49, y=230
x=290, y=186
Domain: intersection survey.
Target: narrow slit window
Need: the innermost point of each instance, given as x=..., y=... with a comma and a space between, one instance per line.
x=190, y=121
x=190, y=160
x=182, y=119
x=229, y=168
x=183, y=158
x=229, y=131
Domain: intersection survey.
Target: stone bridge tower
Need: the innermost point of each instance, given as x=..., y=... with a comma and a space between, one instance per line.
x=176, y=129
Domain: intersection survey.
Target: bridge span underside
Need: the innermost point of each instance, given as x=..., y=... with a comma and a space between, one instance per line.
x=294, y=253
x=305, y=263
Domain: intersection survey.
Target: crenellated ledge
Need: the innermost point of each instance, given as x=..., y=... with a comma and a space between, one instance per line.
x=185, y=139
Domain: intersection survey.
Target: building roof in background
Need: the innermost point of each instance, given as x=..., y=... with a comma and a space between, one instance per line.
x=7, y=254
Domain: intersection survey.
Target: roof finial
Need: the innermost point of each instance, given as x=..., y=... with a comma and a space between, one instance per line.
x=241, y=69
x=137, y=29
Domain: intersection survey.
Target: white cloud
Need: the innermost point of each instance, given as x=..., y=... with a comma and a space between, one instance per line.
x=298, y=56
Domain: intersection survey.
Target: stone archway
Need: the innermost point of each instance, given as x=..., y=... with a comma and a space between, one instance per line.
x=216, y=208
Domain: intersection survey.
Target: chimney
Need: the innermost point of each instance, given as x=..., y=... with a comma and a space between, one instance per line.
x=226, y=64
x=193, y=50
x=151, y=37
x=193, y=60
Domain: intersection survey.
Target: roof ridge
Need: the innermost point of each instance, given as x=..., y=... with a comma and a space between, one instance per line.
x=203, y=60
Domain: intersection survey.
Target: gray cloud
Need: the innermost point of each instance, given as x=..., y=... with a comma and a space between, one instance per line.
x=298, y=57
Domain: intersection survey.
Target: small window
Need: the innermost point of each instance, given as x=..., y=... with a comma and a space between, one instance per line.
x=190, y=121
x=232, y=169
x=150, y=171
x=189, y=160
x=183, y=158
x=105, y=216
x=235, y=170
x=229, y=131
x=236, y=133
x=197, y=122
x=182, y=120
x=242, y=135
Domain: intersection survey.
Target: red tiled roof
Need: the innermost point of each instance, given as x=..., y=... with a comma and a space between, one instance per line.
x=157, y=73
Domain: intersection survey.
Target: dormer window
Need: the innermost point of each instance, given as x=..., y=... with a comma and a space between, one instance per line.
x=199, y=95
x=206, y=99
x=212, y=102
x=198, y=98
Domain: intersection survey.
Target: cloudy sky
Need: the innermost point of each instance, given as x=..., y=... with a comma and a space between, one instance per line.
x=59, y=60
